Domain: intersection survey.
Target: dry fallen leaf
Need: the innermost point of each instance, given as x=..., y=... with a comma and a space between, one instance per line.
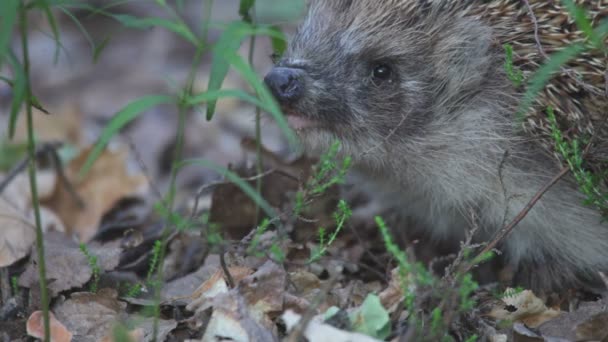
x=107, y=182
x=595, y=328
x=318, y=331
x=233, y=320
x=215, y=285
x=64, y=124
x=523, y=307
x=66, y=266
x=35, y=328
x=18, y=234
x=16, y=216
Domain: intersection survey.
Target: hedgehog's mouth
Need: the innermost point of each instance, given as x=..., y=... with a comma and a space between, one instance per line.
x=300, y=122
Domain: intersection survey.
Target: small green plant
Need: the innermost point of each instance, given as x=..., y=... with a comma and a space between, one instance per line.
x=93, y=262
x=341, y=215
x=252, y=249
x=451, y=295
x=329, y=172
x=154, y=261
x=572, y=153
x=15, y=285
x=515, y=75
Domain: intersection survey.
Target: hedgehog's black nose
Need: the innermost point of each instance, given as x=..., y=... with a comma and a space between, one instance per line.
x=286, y=84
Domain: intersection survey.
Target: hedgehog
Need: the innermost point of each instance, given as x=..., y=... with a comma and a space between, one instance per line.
x=418, y=94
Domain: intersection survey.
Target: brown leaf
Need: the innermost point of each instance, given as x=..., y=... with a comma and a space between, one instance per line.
x=18, y=234
x=66, y=266
x=523, y=307
x=63, y=124
x=595, y=328
x=35, y=328
x=107, y=182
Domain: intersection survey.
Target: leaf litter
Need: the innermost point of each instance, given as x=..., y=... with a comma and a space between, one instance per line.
x=216, y=285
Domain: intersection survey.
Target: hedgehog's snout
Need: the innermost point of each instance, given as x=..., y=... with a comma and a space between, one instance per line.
x=286, y=84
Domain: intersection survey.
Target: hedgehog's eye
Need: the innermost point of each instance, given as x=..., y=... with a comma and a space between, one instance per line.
x=382, y=72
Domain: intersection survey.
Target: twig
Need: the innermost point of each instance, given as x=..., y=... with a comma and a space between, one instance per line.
x=522, y=214
x=144, y=168
x=5, y=285
x=227, y=274
x=64, y=179
x=542, y=52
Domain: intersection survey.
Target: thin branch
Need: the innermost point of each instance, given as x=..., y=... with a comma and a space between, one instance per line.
x=522, y=214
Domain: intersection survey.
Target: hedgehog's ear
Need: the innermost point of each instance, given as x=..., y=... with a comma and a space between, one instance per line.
x=464, y=53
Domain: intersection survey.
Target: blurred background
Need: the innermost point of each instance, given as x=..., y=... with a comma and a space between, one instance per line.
x=100, y=66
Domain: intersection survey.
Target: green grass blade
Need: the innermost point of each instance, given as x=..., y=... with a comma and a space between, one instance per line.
x=544, y=74
x=129, y=113
x=279, y=41
x=227, y=44
x=582, y=21
x=178, y=28
x=229, y=41
x=53, y=23
x=266, y=97
x=19, y=90
x=8, y=17
x=245, y=7
x=234, y=178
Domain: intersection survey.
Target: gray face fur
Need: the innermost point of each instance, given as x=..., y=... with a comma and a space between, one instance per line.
x=437, y=136
x=431, y=69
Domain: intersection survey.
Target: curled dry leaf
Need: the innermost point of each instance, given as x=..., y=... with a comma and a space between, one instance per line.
x=107, y=182
x=393, y=294
x=523, y=307
x=214, y=286
x=35, y=328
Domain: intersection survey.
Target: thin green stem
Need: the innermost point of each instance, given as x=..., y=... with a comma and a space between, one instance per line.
x=258, y=123
x=183, y=107
x=31, y=145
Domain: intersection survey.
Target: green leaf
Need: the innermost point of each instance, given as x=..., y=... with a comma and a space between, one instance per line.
x=99, y=48
x=371, y=318
x=264, y=94
x=234, y=178
x=46, y=8
x=582, y=21
x=11, y=154
x=245, y=7
x=129, y=113
x=542, y=76
x=19, y=91
x=8, y=17
x=279, y=44
x=229, y=42
x=178, y=28
x=227, y=45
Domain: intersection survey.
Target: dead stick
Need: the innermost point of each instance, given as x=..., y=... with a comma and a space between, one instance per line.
x=522, y=214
